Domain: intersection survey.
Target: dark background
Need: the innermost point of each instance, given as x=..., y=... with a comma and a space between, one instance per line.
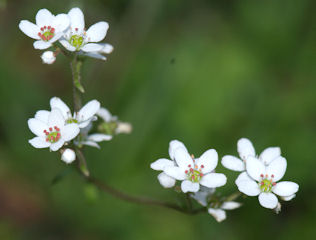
x=204, y=72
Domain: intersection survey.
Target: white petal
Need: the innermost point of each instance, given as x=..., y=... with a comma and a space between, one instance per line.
x=98, y=137
x=68, y=156
x=42, y=115
x=213, y=180
x=91, y=144
x=48, y=57
x=104, y=114
x=285, y=188
x=201, y=197
x=250, y=188
x=44, y=18
x=107, y=48
x=277, y=167
x=88, y=110
x=218, y=214
x=67, y=45
x=94, y=55
x=37, y=127
x=245, y=148
x=123, y=127
x=243, y=177
x=183, y=158
x=289, y=198
x=56, y=102
x=255, y=168
x=41, y=45
x=29, y=29
x=161, y=163
x=39, y=142
x=56, y=118
x=270, y=154
x=57, y=145
x=188, y=186
x=69, y=132
x=230, y=205
x=61, y=22
x=233, y=163
x=76, y=20
x=91, y=47
x=268, y=200
x=97, y=32
x=175, y=172
x=173, y=145
x=209, y=160
x=166, y=181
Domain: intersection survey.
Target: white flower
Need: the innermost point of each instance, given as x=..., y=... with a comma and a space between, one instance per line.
x=85, y=115
x=111, y=124
x=264, y=182
x=76, y=38
x=48, y=57
x=68, y=156
x=53, y=133
x=219, y=212
x=47, y=30
x=107, y=49
x=246, y=150
x=159, y=165
x=193, y=172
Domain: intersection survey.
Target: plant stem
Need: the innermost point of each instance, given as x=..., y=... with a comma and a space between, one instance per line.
x=233, y=196
x=77, y=87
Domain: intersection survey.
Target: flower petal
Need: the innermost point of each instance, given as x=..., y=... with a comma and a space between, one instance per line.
x=107, y=48
x=213, y=180
x=218, y=214
x=188, y=186
x=183, y=158
x=88, y=110
x=230, y=205
x=37, y=127
x=91, y=144
x=243, y=177
x=245, y=148
x=41, y=45
x=29, y=29
x=285, y=188
x=91, y=47
x=289, y=198
x=39, y=142
x=69, y=132
x=56, y=118
x=233, y=163
x=249, y=188
x=166, y=181
x=42, y=115
x=61, y=22
x=97, y=32
x=76, y=20
x=161, y=163
x=268, y=200
x=255, y=168
x=44, y=18
x=57, y=145
x=67, y=45
x=201, y=197
x=175, y=172
x=173, y=145
x=270, y=154
x=99, y=137
x=93, y=55
x=104, y=114
x=209, y=160
x=277, y=167
x=56, y=102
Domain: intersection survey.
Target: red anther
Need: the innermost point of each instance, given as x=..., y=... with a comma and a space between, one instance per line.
x=47, y=139
x=76, y=29
x=52, y=30
x=272, y=176
x=193, y=177
x=46, y=133
x=42, y=29
x=201, y=174
x=58, y=134
x=48, y=27
x=50, y=129
x=262, y=183
x=51, y=137
x=55, y=127
x=202, y=166
x=273, y=184
x=186, y=171
x=189, y=165
x=261, y=175
x=39, y=34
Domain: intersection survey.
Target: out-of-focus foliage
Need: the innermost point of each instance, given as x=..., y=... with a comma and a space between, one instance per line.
x=204, y=72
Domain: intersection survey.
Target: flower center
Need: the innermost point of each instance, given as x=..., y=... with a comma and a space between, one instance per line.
x=71, y=120
x=76, y=41
x=266, y=184
x=46, y=33
x=53, y=134
x=194, y=174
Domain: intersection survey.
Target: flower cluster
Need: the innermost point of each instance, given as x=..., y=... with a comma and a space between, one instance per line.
x=59, y=126
x=259, y=176
x=69, y=30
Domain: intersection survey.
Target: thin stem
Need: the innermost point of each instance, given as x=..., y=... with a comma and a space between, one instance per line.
x=233, y=196
x=77, y=87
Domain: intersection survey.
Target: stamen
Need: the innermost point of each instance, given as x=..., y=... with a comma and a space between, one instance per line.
x=261, y=175
x=202, y=166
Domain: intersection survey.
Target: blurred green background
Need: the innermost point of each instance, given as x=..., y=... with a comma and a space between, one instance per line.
x=204, y=72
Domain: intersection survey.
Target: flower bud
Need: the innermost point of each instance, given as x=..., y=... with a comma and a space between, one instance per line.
x=123, y=127
x=48, y=57
x=68, y=155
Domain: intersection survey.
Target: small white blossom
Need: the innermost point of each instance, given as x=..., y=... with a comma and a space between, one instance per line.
x=48, y=57
x=193, y=172
x=159, y=165
x=264, y=179
x=53, y=133
x=68, y=155
x=219, y=212
x=47, y=30
x=246, y=150
x=76, y=38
